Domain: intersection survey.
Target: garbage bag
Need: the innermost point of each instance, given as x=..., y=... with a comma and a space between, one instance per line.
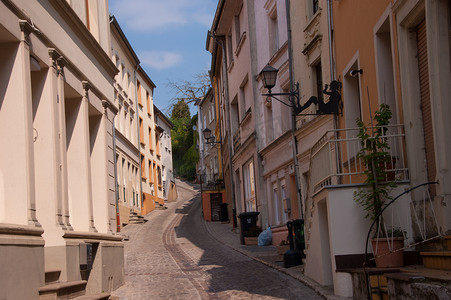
x=265, y=238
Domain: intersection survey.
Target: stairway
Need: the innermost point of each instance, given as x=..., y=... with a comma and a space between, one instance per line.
x=432, y=280
x=56, y=290
x=135, y=218
x=440, y=260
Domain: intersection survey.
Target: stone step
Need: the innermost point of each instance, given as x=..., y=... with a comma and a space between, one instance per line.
x=62, y=290
x=52, y=276
x=437, y=260
x=102, y=296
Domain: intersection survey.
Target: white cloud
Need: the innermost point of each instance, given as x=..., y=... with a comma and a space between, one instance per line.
x=159, y=59
x=151, y=15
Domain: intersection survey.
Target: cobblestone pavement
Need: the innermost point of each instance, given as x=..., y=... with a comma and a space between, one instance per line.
x=175, y=256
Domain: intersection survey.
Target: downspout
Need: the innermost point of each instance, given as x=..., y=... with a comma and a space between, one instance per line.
x=330, y=32
x=118, y=221
x=229, y=130
x=293, y=119
x=332, y=70
x=137, y=137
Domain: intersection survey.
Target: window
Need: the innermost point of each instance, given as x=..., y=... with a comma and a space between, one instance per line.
x=148, y=103
x=159, y=176
x=141, y=132
x=150, y=171
x=315, y=5
x=229, y=49
x=139, y=93
x=234, y=115
x=143, y=167
x=276, y=204
x=249, y=186
x=157, y=144
x=237, y=30
x=244, y=98
x=283, y=192
x=273, y=33
x=150, y=139
x=319, y=81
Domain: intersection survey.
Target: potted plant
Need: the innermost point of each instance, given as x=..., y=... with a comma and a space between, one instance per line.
x=372, y=198
x=251, y=236
x=387, y=247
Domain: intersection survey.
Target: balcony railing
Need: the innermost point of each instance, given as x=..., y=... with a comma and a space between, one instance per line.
x=334, y=159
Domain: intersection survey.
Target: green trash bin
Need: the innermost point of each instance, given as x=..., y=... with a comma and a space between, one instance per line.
x=298, y=231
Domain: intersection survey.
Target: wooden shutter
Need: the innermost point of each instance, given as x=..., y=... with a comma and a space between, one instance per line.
x=423, y=72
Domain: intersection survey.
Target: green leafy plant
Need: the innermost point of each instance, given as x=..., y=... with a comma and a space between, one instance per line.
x=392, y=232
x=375, y=156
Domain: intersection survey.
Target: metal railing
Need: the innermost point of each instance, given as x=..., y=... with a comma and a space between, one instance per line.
x=335, y=160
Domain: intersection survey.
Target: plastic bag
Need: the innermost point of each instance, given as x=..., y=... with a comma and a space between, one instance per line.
x=265, y=238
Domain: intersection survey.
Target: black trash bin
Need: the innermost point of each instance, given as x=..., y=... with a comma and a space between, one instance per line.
x=223, y=213
x=247, y=221
x=292, y=257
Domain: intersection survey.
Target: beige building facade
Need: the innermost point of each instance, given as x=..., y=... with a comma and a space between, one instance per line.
x=128, y=188
x=57, y=193
x=149, y=140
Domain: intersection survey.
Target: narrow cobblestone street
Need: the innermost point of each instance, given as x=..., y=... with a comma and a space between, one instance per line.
x=173, y=256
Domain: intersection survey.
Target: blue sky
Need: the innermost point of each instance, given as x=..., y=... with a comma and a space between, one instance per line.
x=169, y=38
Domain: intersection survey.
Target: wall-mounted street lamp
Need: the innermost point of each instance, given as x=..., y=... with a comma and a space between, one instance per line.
x=269, y=75
x=209, y=138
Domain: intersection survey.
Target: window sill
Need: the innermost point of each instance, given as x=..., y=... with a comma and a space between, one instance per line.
x=313, y=20
x=247, y=116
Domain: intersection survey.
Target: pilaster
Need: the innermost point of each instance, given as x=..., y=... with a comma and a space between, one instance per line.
x=24, y=52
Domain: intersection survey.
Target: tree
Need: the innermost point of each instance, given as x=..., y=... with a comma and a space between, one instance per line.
x=184, y=139
x=190, y=91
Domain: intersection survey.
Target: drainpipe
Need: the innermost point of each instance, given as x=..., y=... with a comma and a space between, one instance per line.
x=118, y=221
x=229, y=130
x=330, y=32
x=332, y=70
x=293, y=119
x=137, y=137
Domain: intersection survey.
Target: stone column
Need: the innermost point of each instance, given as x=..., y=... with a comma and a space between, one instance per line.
x=24, y=58
x=84, y=115
x=58, y=63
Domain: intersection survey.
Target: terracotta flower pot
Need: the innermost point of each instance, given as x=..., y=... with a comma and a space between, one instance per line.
x=381, y=249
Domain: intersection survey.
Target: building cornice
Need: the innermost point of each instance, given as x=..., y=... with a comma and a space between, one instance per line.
x=68, y=14
x=116, y=28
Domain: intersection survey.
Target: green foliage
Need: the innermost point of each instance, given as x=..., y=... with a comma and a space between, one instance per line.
x=392, y=232
x=374, y=153
x=180, y=111
x=184, y=152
